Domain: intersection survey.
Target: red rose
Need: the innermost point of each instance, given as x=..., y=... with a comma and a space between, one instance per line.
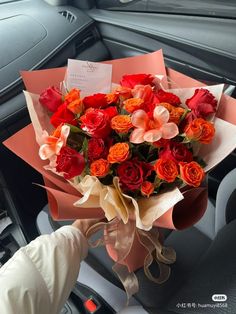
x=51, y=98
x=111, y=111
x=97, y=149
x=168, y=97
x=161, y=143
x=136, y=79
x=147, y=169
x=63, y=115
x=147, y=188
x=95, y=101
x=70, y=162
x=96, y=122
x=202, y=103
x=176, y=152
x=130, y=174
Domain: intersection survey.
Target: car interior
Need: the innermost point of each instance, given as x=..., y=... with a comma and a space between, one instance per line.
x=197, y=39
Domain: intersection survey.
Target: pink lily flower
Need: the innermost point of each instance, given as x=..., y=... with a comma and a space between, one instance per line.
x=54, y=143
x=152, y=130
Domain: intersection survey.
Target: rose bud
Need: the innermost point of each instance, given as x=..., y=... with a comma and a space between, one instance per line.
x=147, y=188
x=51, y=98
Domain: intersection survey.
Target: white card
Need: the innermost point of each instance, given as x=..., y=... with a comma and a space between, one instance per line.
x=89, y=77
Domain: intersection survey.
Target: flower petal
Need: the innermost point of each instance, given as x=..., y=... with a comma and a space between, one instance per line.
x=65, y=131
x=58, y=147
x=169, y=130
x=152, y=135
x=46, y=151
x=136, y=136
x=139, y=119
x=161, y=114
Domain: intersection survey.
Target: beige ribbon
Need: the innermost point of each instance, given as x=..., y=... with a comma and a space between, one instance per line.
x=121, y=236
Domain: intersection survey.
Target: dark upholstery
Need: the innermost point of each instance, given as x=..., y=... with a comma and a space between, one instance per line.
x=189, y=244
x=215, y=274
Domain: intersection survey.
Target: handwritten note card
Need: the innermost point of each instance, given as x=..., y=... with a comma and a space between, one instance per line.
x=89, y=77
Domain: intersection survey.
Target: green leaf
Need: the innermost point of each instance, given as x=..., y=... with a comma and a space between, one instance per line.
x=74, y=129
x=85, y=146
x=200, y=161
x=107, y=180
x=124, y=112
x=157, y=182
x=75, y=141
x=185, y=114
x=123, y=136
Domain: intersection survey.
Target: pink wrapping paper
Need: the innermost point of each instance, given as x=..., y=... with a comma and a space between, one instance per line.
x=179, y=217
x=61, y=194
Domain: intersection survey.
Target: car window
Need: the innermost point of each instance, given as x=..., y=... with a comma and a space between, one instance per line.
x=214, y=8
x=7, y=1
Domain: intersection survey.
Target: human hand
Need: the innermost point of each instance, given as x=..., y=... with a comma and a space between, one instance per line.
x=84, y=224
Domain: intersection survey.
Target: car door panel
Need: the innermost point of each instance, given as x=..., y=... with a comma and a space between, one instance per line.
x=198, y=45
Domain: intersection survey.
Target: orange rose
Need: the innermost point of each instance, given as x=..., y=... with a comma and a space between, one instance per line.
x=118, y=153
x=99, y=168
x=133, y=104
x=123, y=92
x=76, y=106
x=72, y=95
x=175, y=112
x=112, y=98
x=147, y=188
x=166, y=169
x=200, y=130
x=121, y=123
x=191, y=173
x=208, y=132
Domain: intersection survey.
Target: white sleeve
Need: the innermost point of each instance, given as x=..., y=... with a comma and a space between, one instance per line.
x=40, y=276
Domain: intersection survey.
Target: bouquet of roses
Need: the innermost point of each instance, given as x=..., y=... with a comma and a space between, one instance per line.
x=136, y=154
x=139, y=138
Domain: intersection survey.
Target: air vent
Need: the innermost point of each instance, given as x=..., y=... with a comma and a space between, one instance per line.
x=68, y=15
